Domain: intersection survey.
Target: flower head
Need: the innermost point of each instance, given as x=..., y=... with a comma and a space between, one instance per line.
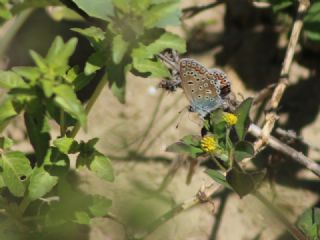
x=230, y=118
x=209, y=144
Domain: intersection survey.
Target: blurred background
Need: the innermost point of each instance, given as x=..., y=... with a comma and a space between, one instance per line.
x=249, y=44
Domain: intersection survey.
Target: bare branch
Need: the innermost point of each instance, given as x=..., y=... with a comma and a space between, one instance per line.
x=194, y=10
x=271, y=117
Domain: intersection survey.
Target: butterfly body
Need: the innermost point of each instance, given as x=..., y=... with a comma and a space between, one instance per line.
x=204, y=88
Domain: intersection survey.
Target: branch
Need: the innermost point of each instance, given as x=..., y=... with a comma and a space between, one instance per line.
x=203, y=196
x=287, y=150
x=271, y=117
x=194, y=10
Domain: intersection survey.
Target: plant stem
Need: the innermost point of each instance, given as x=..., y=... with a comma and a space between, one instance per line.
x=90, y=103
x=62, y=123
x=293, y=230
x=24, y=204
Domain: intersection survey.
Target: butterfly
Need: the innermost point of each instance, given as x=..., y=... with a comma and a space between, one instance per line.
x=204, y=88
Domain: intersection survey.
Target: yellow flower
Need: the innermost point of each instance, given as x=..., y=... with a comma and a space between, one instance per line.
x=230, y=118
x=209, y=144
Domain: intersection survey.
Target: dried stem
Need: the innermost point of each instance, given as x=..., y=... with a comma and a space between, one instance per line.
x=287, y=150
x=194, y=10
x=271, y=117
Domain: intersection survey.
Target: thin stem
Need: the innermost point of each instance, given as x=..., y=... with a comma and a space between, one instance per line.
x=24, y=204
x=294, y=231
x=63, y=128
x=194, y=10
x=151, y=123
x=90, y=103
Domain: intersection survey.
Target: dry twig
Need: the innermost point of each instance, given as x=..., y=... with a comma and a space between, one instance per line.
x=271, y=117
x=194, y=10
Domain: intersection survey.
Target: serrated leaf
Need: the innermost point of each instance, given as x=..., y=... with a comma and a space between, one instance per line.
x=66, y=145
x=9, y=80
x=243, y=150
x=41, y=183
x=218, y=177
x=38, y=133
x=100, y=206
x=68, y=101
x=181, y=147
x=102, y=9
x=162, y=15
x=101, y=166
x=119, y=48
x=16, y=170
x=242, y=113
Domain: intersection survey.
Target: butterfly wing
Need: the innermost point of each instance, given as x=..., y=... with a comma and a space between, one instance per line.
x=200, y=86
x=224, y=82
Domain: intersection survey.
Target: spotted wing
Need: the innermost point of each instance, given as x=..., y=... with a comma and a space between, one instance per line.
x=224, y=82
x=200, y=85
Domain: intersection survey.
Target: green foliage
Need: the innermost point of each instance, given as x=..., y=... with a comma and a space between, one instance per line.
x=242, y=113
x=312, y=21
x=309, y=223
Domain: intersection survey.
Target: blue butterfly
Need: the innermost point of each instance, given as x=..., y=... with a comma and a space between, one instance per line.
x=204, y=88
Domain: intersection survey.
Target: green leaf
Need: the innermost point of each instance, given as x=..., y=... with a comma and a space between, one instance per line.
x=102, y=9
x=66, y=145
x=30, y=73
x=243, y=150
x=192, y=140
x=95, y=35
x=82, y=217
x=181, y=147
x=6, y=143
x=38, y=132
x=280, y=5
x=56, y=163
x=312, y=21
x=119, y=48
x=167, y=40
x=7, y=111
x=242, y=113
x=218, y=177
x=95, y=62
x=309, y=223
x=16, y=170
x=9, y=80
x=162, y=15
x=100, y=206
x=41, y=183
x=244, y=183
x=39, y=61
x=123, y=5
x=68, y=101
x=55, y=49
x=101, y=166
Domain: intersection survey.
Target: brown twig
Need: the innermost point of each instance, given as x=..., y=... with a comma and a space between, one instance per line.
x=202, y=196
x=194, y=10
x=287, y=150
x=271, y=117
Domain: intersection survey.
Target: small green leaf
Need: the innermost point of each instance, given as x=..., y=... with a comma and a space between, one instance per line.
x=312, y=21
x=309, y=223
x=9, y=80
x=162, y=15
x=7, y=111
x=95, y=35
x=167, y=40
x=30, y=73
x=101, y=166
x=218, y=177
x=16, y=170
x=39, y=61
x=68, y=101
x=119, y=48
x=47, y=87
x=102, y=9
x=55, y=49
x=100, y=206
x=41, y=182
x=56, y=163
x=66, y=145
x=6, y=143
x=192, y=140
x=123, y=5
x=95, y=62
x=81, y=217
x=181, y=147
x=243, y=150
x=38, y=132
x=242, y=113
